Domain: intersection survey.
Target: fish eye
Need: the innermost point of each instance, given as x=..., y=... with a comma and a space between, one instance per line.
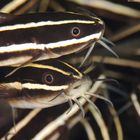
x=75, y=31
x=48, y=78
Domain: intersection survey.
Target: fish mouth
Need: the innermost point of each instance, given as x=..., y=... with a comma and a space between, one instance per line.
x=79, y=87
x=83, y=89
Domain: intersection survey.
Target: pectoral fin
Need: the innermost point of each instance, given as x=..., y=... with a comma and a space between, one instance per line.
x=34, y=58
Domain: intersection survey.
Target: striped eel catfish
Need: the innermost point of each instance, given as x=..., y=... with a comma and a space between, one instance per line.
x=38, y=36
x=45, y=84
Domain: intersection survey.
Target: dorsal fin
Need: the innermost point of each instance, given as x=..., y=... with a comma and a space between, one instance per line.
x=5, y=17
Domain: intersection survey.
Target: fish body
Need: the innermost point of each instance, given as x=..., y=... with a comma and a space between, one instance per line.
x=42, y=85
x=41, y=36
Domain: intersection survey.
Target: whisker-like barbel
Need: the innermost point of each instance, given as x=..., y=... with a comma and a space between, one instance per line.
x=70, y=104
x=108, y=48
x=100, y=97
x=102, y=42
x=80, y=106
x=91, y=103
x=107, y=41
x=87, y=54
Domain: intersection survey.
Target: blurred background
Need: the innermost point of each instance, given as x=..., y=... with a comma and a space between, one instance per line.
x=122, y=27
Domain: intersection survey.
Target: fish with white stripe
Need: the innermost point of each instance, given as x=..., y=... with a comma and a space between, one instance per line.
x=39, y=36
x=45, y=84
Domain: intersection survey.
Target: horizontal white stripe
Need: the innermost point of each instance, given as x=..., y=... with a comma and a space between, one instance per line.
x=8, y=86
x=76, y=70
x=57, y=69
x=38, y=102
x=73, y=41
x=42, y=23
x=44, y=87
x=22, y=47
x=48, y=67
x=28, y=46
